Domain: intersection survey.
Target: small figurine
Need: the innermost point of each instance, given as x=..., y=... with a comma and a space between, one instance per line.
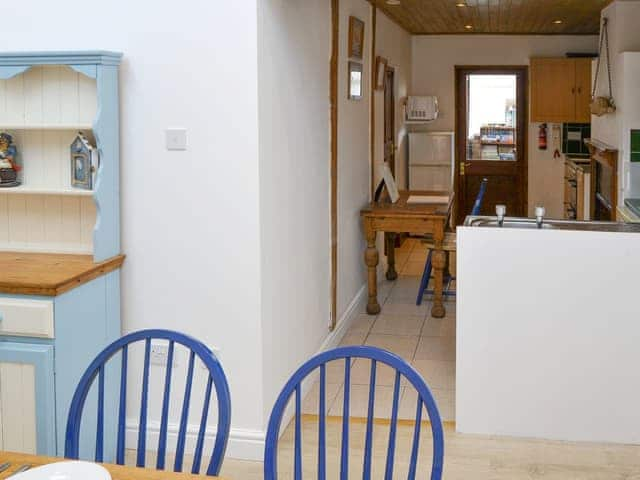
x=84, y=160
x=8, y=166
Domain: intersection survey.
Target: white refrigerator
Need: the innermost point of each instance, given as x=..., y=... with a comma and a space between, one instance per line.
x=431, y=157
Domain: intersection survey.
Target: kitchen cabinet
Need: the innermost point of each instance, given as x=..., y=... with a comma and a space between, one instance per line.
x=560, y=90
x=60, y=253
x=27, y=406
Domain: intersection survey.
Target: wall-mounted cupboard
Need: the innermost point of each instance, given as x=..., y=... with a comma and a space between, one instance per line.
x=59, y=245
x=560, y=90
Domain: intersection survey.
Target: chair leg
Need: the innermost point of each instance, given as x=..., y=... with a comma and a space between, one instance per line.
x=426, y=275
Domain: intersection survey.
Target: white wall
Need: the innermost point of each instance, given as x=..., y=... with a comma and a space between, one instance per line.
x=623, y=17
x=293, y=65
x=353, y=159
x=434, y=59
x=190, y=223
x=394, y=44
x=547, y=334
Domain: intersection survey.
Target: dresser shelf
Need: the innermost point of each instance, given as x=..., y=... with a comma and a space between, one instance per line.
x=47, y=126
x=27, y=190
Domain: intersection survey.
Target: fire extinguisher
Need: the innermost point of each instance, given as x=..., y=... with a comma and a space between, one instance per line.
x=542, y=136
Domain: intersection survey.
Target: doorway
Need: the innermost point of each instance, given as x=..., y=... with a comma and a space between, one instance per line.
x=491, y=132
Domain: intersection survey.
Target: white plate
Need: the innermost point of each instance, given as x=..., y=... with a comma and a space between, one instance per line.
x=65, y=471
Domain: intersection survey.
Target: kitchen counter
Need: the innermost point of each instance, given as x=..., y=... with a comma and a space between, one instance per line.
x=546, y=331
x=50, y=274
x=551, y=224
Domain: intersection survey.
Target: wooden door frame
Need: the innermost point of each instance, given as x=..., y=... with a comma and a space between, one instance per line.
x=333, y=102
x=390, y=70
x=522, y=142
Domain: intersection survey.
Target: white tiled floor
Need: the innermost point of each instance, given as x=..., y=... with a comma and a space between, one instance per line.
x=403, y=328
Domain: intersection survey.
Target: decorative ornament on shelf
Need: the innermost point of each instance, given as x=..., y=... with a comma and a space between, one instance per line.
x=84, y=163
x=9, y=167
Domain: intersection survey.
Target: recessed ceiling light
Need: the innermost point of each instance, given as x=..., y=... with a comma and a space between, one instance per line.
x=461, y=4
x=468, y=27
x=393, y=2
x=557, y=22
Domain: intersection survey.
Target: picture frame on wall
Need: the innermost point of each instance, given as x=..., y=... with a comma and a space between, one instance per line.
x=355, y=81
x=381, y=68
x=356, y=37
x=390, y=183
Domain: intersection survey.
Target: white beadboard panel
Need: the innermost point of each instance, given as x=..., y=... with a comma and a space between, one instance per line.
x=88, y=100
x=51, y=98
x=18, y=405
x=45, y=157
x=14, y=111
x=48, y=95
x=33, y=92
x=4, y=219
x=47, y=223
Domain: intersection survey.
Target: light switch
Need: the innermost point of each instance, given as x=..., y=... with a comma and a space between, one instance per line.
x=176, y=138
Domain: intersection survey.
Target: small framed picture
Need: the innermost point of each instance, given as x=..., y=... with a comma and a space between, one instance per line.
x=81, y=173
x=356, y=37
x=381, y=70
x=355, y=81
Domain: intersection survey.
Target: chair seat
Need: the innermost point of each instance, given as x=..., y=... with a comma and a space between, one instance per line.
x=449, y=243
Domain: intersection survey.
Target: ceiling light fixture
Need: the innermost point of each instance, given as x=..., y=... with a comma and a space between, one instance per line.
x=461, y=4
x=468, y=27
x=558, y=22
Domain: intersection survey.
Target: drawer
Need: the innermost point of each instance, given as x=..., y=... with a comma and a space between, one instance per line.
x=27, y=318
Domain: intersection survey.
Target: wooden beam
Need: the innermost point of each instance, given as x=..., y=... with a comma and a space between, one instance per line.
x=372, y=126
x=333, y=94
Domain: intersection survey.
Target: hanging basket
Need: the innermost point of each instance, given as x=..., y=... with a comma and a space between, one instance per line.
x=602, y=105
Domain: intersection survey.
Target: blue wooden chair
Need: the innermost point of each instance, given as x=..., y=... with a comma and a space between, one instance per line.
x=376, y=356
x=449, y=244
x=119, y=349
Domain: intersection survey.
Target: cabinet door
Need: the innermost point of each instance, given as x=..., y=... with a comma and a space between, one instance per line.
x=552, y=90
x=583, y=90
x=27, y=414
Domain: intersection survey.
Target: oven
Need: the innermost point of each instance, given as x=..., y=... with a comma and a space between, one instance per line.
x=577, y=189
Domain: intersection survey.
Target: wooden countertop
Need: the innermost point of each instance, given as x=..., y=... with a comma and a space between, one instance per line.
x=49, y=274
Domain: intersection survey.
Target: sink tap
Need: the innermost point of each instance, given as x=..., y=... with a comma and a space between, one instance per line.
x=501, y=211
x=540, y=211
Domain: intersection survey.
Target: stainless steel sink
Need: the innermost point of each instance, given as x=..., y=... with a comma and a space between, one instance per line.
x=550, y=224
x=508, y=222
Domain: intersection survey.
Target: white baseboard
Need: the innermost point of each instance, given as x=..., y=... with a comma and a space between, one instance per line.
x=346, y=320
x=245, y=444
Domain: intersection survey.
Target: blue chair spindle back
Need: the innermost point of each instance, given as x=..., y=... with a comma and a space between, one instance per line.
x=376, y=356
x=216, y=378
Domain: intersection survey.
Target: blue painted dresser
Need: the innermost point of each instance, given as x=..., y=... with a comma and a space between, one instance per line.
x=60, y=253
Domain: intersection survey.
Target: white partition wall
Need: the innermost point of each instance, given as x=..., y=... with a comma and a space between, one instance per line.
x=548, y=334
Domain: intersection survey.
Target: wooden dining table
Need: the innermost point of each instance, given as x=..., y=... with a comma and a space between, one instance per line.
x=404, y=217
x=117, y=472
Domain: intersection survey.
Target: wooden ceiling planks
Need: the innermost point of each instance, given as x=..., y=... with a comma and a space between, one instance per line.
x=432, y=17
